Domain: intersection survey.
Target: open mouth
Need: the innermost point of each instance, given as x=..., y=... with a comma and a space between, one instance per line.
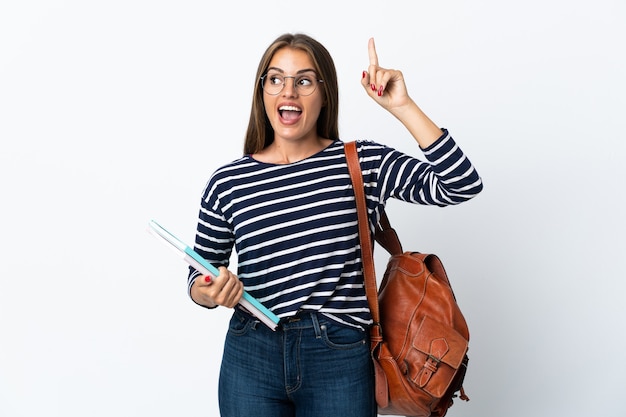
x=289, y=113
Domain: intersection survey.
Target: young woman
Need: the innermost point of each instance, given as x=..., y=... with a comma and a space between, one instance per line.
x=287, y=207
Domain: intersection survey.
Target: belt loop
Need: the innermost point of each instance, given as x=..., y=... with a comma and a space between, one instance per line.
x=316, y=326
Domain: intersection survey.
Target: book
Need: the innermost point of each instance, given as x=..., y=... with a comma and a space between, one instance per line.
x=193, y=258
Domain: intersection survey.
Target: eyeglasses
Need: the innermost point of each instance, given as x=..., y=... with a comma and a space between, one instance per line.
x=304, y=84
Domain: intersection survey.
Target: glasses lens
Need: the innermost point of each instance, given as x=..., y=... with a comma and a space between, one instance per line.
x=305, y=84
x=273, y=83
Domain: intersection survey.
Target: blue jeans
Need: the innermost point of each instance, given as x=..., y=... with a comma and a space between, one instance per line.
x=310, y=367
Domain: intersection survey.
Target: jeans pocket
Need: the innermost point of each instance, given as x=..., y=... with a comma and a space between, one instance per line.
x=239, y=324
x=341, y=337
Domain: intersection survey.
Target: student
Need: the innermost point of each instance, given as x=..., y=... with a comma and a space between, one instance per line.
x=287, y=207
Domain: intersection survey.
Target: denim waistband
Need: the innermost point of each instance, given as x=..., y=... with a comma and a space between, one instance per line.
x=302, y=320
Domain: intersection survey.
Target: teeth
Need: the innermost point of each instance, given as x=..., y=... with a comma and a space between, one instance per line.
x=289, y=108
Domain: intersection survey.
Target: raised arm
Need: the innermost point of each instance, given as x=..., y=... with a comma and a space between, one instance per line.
x=387, y=88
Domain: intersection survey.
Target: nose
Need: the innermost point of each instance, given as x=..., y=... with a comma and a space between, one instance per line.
x=289, y=89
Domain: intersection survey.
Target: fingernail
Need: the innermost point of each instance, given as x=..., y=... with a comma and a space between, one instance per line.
x=380, y=91
x=364, y=74
x=373, y=87
x=207, y=279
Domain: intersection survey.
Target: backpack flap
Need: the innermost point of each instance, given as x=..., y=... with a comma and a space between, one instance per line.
x=438, y=351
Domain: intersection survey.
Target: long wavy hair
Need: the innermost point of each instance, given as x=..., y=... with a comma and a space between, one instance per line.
x=260, y=133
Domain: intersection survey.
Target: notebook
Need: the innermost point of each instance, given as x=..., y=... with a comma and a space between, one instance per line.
x=193, y=258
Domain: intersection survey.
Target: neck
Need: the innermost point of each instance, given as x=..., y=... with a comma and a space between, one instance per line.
x=288, y=152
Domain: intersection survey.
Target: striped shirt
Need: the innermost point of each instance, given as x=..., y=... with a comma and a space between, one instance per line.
x=294, y=226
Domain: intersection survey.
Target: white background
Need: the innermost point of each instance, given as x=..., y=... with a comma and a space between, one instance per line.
x=116, y=112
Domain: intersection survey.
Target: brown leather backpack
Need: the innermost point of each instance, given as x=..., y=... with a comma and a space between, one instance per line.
x=419, y=339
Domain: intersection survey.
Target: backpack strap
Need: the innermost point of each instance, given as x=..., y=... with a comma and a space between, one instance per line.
x=365, y=235
x=369, y=273
x=386, y=236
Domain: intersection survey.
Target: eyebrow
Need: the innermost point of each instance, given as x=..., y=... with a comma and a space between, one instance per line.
x=298, y=72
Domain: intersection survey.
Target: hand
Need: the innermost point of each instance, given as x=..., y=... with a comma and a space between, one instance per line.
x=385, y=86
x=225, y=290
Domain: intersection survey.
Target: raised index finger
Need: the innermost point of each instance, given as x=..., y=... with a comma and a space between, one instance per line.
x=372, y=52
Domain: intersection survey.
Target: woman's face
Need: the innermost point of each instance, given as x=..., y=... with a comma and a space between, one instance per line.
x=293, y=116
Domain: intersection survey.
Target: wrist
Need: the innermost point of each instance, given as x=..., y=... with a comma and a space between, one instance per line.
x=424, y=130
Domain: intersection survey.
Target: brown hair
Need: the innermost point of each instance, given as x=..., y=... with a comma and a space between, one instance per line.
x=260, y=133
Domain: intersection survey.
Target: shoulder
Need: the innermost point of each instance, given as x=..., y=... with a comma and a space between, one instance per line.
x=222, y=177
x=241, y=163
x=372, y=152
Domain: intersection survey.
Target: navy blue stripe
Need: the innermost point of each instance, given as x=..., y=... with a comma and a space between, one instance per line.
x=294, y=226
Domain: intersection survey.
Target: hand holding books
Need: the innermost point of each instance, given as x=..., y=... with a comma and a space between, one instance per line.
x=194, y=259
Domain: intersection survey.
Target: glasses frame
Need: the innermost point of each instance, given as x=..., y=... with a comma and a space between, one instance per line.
x=295, y=86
